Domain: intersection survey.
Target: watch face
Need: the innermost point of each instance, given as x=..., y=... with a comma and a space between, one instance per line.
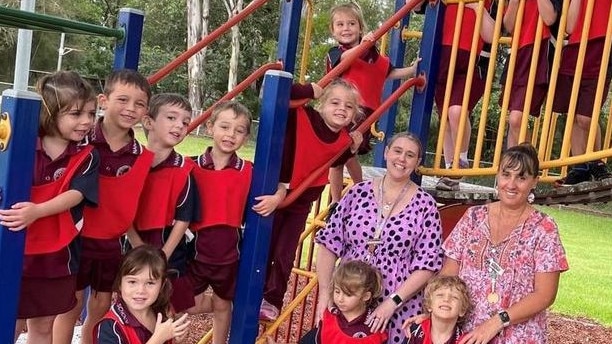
x=505, y=318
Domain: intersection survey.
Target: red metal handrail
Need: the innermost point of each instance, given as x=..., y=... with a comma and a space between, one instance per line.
x=234, y=92
x=295, y=193
x=182, y=58
x=361, y=48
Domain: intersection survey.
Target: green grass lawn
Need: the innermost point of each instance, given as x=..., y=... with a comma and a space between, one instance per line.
x=585, y=290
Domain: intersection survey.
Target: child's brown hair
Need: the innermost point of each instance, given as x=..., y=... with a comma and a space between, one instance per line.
x=236, y=107
x=60, y=91
x=154, y=258
x=127, y=77
x=161, y=99
x=441, y=281
x=353, y=276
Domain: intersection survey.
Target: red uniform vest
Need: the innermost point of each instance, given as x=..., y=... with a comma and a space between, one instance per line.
x=311, y=152
x=128, y=331
x=223, y=195
x=530, y=24
x=118, y=201
x=160, y=195
x=369, y=78
x=599, y=21
x=467, y=27
x=52, y=233
x=332, y=333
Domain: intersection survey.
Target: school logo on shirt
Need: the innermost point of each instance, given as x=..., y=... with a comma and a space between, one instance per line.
x=59, y=173
x=123, y=170
x=359, y=335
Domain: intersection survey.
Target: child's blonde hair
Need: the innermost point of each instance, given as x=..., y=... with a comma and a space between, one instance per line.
x=236, y=107
x=354, y=276
x=352, y=9
x=60, y=91
x=453, y=282
x=349, y=86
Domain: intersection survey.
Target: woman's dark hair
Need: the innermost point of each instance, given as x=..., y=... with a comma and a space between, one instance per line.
x=147, y=256
x=523, y=158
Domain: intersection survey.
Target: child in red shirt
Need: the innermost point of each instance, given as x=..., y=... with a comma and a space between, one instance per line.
x=446, y=300
x=140, y=314
x=313, y=137
x=169, y=200
x=368, y=73
x=65, y=180
x=223, y=180
x=124, y=164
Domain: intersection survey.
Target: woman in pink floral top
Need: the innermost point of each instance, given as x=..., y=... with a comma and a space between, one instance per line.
x=510, y=256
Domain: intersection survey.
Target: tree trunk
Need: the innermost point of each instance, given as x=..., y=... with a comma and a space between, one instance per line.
x=197, y=28
x=233, y=8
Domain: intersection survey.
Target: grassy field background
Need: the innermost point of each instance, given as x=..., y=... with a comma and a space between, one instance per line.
x=584, y=290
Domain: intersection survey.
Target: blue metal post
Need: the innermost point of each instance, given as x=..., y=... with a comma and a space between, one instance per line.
x=258, y=229
x=386, y=123
x=127, y=50
x=22, y=109
x=289, y=33
x=422, y=102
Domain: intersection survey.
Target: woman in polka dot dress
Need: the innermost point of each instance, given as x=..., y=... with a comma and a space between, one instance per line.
x=393, y=224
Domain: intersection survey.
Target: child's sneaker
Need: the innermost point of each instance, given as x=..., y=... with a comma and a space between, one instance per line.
x=576, y=175
x=448, y=184
x=599, y=170
x=451, y=183
x=268, y=312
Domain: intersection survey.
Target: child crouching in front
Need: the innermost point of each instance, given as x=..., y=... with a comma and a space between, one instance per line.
x=357, y=286
x=140, y=313
x=446, y=300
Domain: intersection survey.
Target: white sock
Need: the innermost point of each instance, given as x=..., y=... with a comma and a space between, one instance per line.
x=463, y=156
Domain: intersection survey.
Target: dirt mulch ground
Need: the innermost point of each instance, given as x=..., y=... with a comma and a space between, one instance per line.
x=561, y=330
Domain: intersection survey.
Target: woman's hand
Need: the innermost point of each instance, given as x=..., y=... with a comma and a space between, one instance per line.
x=379, y=318
x=484, y=332
x=322, y=305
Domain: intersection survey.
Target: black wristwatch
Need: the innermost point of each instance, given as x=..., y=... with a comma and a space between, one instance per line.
x=396, y=299
x=505, y=318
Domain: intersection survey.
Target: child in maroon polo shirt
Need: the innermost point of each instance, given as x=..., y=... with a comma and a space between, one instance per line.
x=124, y=164
x=548, y=10
x=169, y=200
x=313, y=137
x=597, y=169
x=223, y=180
x=368, y=73
x=446, y=301
x=65, y=180
x=141, y=313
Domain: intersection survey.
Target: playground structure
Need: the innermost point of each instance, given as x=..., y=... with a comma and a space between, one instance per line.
x=19, y=122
